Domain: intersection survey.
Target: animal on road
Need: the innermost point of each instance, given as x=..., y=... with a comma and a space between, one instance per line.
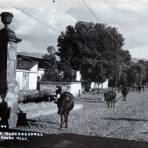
x=124, y=91
x=65, y=104
x=109, y=97
x=143, y=87
x=139, y=88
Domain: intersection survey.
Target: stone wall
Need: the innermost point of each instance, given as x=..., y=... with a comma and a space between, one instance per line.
x=72, y=87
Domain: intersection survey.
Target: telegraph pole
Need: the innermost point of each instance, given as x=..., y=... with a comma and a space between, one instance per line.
x=116, y=83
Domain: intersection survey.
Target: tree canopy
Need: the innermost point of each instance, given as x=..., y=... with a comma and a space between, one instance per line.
x=51, y=72
x=134, y=74
x=92, y=48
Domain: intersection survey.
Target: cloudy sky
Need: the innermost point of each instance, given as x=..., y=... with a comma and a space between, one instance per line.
x=39, y=22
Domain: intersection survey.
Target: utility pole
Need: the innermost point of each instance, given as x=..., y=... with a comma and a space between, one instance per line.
x=116, y=83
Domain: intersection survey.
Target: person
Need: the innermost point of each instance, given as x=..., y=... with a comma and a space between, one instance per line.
x=79, y=93
x=58, y=91
x=4, y=113
x=38, y=83
x=68, y=88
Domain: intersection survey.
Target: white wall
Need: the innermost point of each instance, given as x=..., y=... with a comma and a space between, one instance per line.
x=41, y=72
x=78, y=76
x=34, y=68
x=32, y=80
x=19, y=78
x=32, y=77
x=51, y=86
x=75, y=87
x=102, y=85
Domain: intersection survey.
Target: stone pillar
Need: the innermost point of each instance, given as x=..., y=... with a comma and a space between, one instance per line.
x=8, y=59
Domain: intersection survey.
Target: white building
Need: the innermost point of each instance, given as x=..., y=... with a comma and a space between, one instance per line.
x=27, y=79
x=103, y=85
x=28, y=71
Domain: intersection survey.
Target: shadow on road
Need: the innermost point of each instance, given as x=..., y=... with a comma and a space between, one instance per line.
x=126, y=119
x=50, y=124
x=94, y=101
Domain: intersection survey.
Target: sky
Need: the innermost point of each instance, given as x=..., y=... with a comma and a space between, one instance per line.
x=39, y=22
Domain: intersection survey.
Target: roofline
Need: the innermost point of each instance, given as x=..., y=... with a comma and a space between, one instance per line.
x=28, y=57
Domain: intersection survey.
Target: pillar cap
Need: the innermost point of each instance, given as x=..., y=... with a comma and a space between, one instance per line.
x=6, y=18
x=6, y=34
x=3, y=14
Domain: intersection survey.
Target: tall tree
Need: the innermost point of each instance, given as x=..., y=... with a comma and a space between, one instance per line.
x=51, y=73
x=91, y=48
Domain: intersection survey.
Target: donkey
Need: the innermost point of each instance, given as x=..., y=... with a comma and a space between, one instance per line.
x=65, y=104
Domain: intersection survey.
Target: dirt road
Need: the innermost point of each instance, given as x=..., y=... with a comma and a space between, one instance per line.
x=128, y=120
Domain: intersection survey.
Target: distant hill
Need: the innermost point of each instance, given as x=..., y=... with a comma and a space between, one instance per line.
x=31, y=54
x=135, y=60
x=40, y=56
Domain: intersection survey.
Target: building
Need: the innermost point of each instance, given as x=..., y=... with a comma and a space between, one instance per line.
x=103, y=85
x=30, y=67
x=28, y=70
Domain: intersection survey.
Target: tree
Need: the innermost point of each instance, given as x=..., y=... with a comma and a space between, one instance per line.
x=135, y=73
x=146, y=72
x=68, y=73
x=51, y=72
x=131, y=76
x=51, y=50
x=50, y=56
x=91, y=48
x=141, y=76
x=119, y=67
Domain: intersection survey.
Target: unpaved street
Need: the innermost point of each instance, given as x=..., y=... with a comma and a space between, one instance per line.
x=128, y=120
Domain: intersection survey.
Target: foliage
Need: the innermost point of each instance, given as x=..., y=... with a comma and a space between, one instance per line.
x=57, y=70
x=92, y=49
x=51, y=73
x=134, y=74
